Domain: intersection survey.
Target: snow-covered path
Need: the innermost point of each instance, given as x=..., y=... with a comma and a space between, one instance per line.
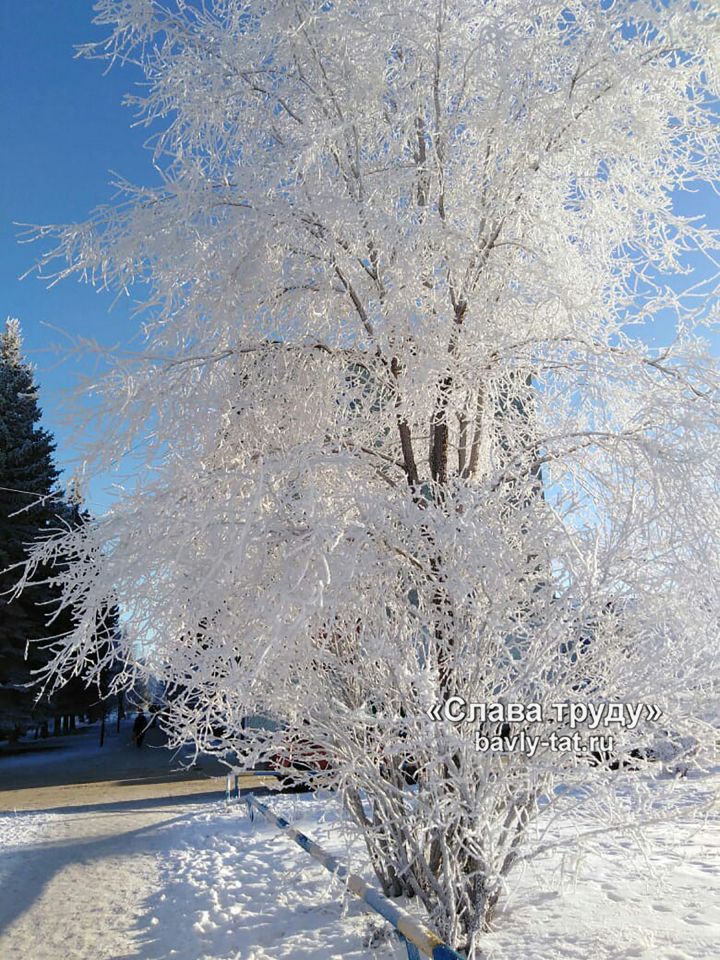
x=82, y=836
x=187, y=881
x=77, y=882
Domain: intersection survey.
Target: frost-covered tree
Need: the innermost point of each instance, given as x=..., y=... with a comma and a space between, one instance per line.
x=408, y=440
x=27, y=477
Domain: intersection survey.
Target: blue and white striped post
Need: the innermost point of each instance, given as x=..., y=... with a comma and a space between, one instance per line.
x=232, y=785
x=418, y=939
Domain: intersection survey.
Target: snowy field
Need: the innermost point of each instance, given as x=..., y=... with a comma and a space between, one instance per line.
x=176, y=878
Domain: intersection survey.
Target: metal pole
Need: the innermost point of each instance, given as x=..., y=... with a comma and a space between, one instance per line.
x=414, y=933
x=412, y=951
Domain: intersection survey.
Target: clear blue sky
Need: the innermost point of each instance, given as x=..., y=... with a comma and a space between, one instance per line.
x=64, y=129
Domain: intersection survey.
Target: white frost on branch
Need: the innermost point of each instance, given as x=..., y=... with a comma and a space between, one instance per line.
x=404, y=440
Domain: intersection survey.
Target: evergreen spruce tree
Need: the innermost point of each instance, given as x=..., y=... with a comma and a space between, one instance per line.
x=27, y=477
x=87, y=692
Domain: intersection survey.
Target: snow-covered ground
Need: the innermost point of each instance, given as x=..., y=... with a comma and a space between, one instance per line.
x=621, y=902
x=197, y=881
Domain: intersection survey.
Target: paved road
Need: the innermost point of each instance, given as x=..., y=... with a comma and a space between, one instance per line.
x=69, y=773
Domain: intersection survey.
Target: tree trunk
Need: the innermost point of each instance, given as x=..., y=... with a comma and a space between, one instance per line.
x=120, y=710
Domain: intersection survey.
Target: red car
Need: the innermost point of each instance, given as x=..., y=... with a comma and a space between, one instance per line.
x=299, y=754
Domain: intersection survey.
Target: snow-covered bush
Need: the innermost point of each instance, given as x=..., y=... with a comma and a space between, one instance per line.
x=406, y=440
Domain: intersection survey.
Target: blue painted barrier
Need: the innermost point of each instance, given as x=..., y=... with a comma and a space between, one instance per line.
x=417, y=938
x=232, y=781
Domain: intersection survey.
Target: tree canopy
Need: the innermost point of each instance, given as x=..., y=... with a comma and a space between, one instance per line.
x=406, y=441
x=27, y=479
